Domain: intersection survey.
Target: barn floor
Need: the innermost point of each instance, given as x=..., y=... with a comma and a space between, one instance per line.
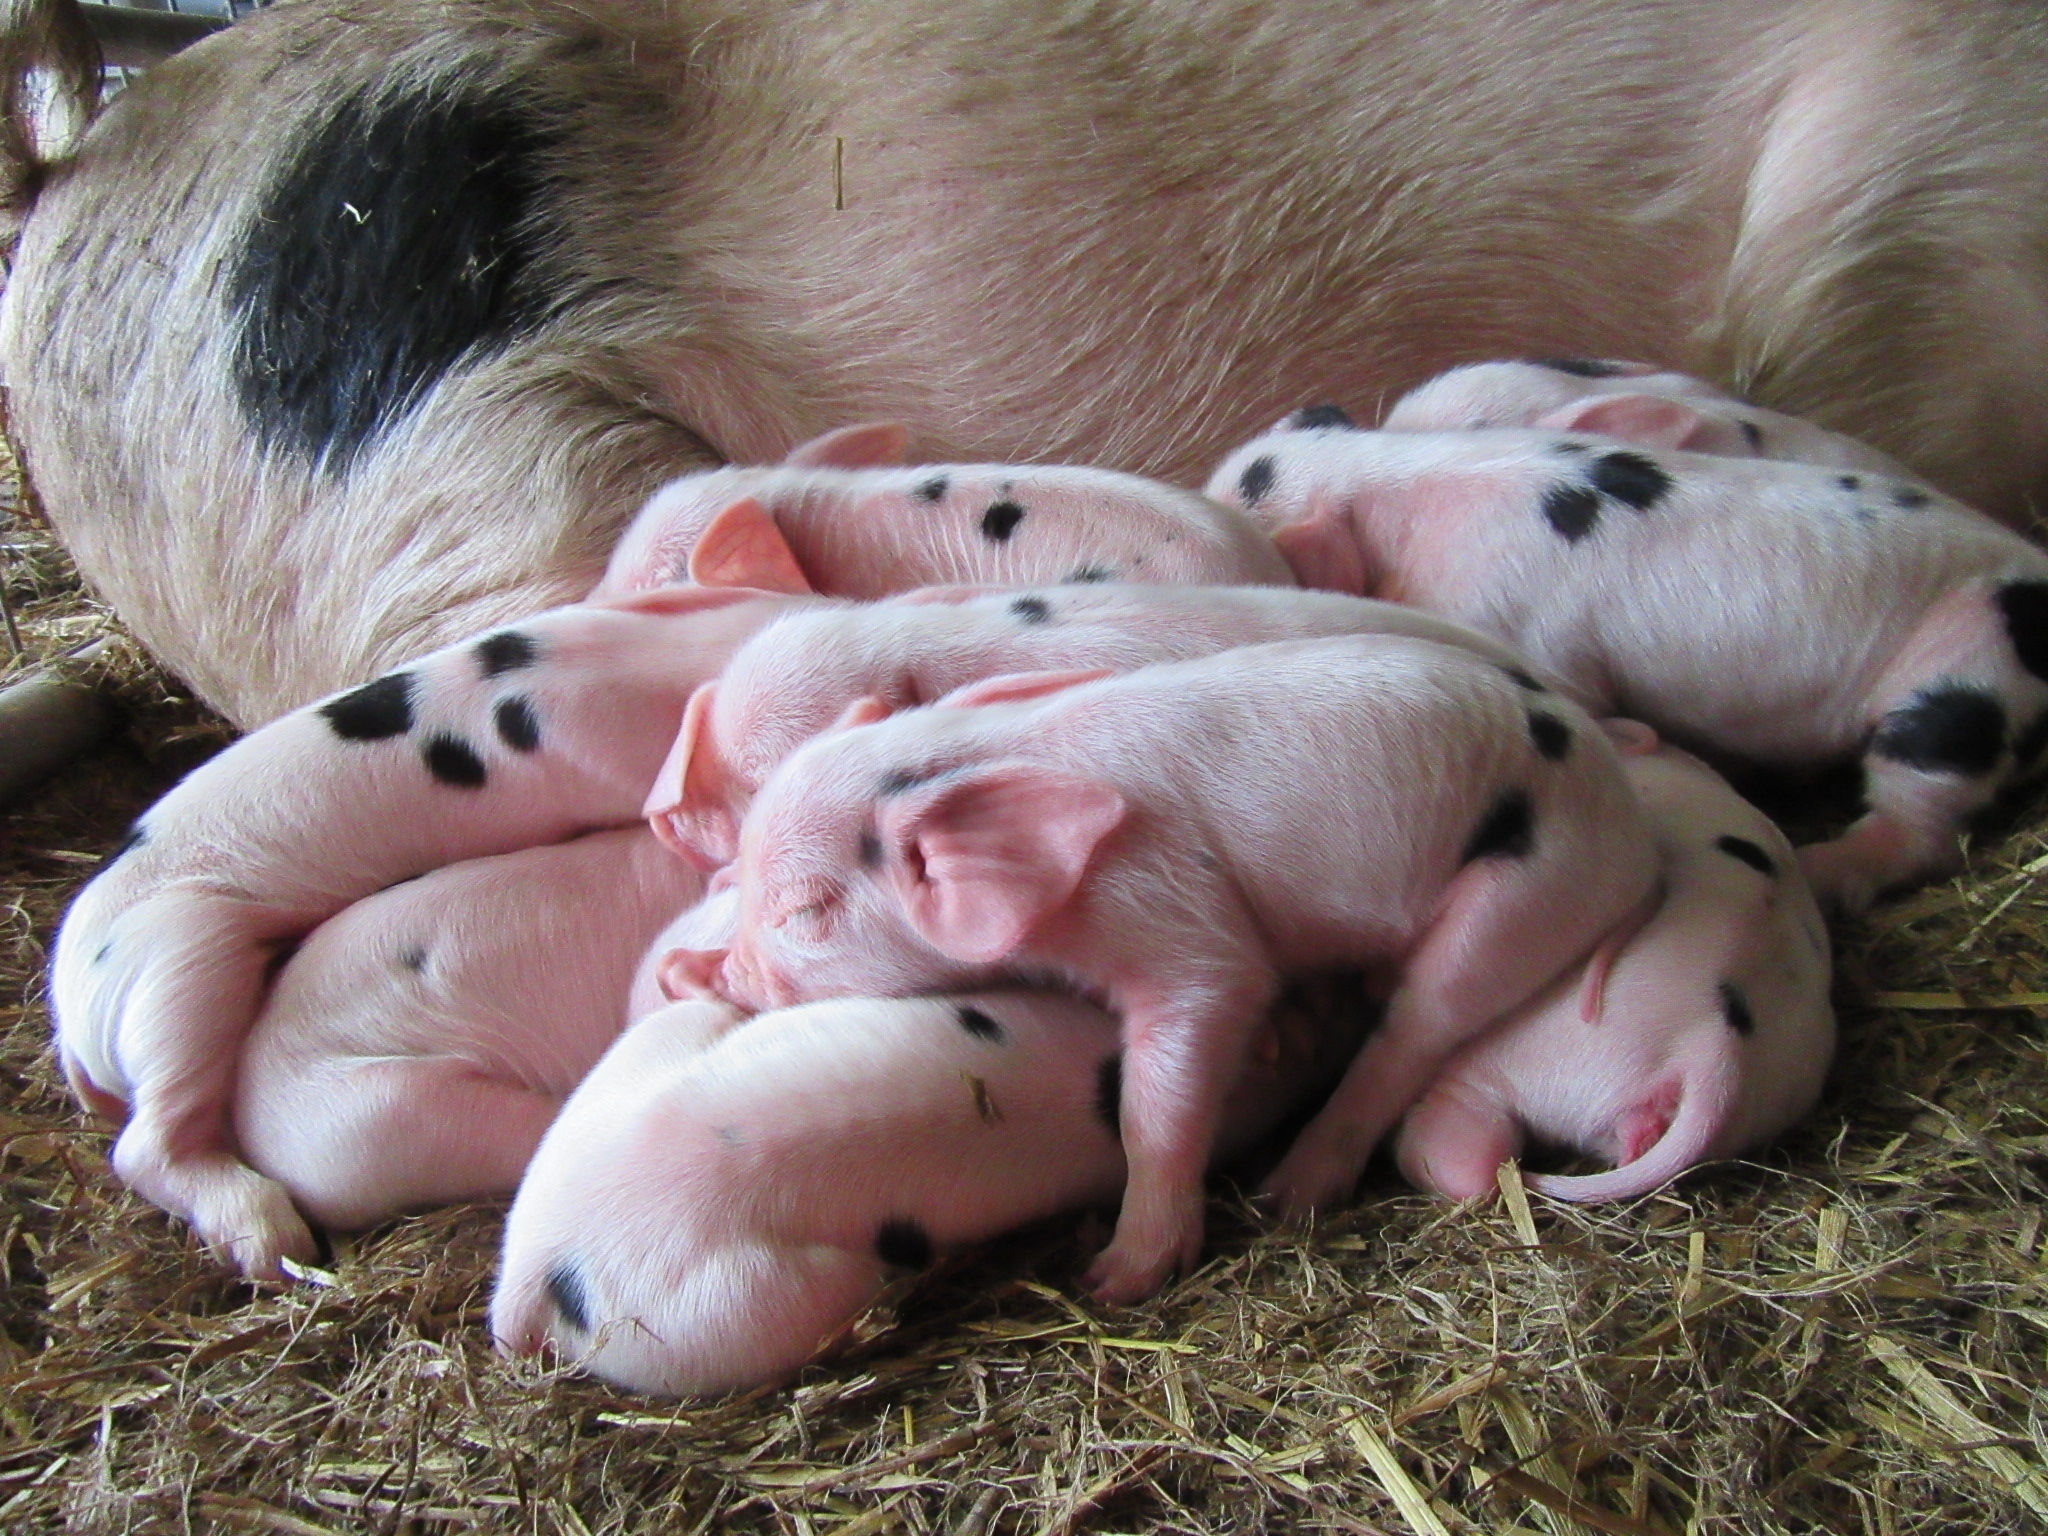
x=1849, y=1334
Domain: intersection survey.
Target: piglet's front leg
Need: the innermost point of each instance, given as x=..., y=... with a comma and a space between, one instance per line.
x=1185, y=1046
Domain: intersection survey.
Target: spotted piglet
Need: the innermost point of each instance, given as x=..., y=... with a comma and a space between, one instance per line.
x=416, y=1045
x=1710, y=1032
x=794, y=678
x=1778, y=613
x=1631, y=401
x=844, y=515
x=526, y=735
x=1175, y=839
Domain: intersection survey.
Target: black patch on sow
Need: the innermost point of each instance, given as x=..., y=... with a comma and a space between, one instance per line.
x=374, y=711
x=901, y=1243
x=1508, y=831
x=1735, y=1009
x=980, y=1025
x=1000, y=521
x=1749, y=853
x=1948, y=728
x=565, y=1289
x=2025, y=606
x=396, y=242
x=454, y=762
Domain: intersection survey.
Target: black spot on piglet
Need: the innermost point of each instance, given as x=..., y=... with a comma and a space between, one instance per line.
x=933, y=489
x=1735, y=1009
x=1000, y=521
x=506, y=651
x=901, y=1243
x=870, y=849
x=1948, y=728
x=1316, y=417
x=1256, y=480
x=374, y=711
x=1580, y=367
x=454, y=762
x=1508, y=831
x=518, y=726
x=979, y=1024
x=1523, y=679
x=1571, y=509
x=1032, y=610
x=1743, y=849
x=1631, y=478
x=1753, y=435
x=1091, y=573
x=1109, y=1094
x=2025, y=606
x=1552, y=736
x=1910, y=497
x=413, y=958
x=565, y=1289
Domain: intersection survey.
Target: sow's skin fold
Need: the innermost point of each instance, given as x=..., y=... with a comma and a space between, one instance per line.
x=413, y=1050
x=1711, y=1034
x=796, y=676
x=842, y=515
x=527, y=735
x=1143, y=839
x=1777, y=613
x=721, y=1196
x=1634, y=402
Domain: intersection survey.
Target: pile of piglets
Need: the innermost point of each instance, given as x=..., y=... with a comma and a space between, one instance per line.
x=958, y=845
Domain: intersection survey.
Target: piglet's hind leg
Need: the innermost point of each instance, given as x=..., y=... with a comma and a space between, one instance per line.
x=1452, y=1143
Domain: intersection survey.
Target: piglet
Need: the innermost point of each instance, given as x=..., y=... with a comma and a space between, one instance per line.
x=526, y=735
x=1777, y=613
x=1631, y=401
x=1709, y=1034
x=413, y=1049
x=721, y=1197
x=795, y=677
x=843, y=514
x=1175, y=839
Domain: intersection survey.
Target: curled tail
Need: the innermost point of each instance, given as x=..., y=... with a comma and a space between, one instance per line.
x=1671, y=1126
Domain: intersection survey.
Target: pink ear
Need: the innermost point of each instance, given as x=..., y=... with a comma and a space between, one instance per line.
x=981, y=859
x=690, y=805
x=870, y=446
x=1631, y=738
x=1015, y=687
x=1647, y=419
x=686, y=974
x=862, y=711
x=1324, y=555
x=675, y=599
x=743, y=548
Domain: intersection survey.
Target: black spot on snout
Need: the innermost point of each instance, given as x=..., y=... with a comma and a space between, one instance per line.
x=1000, y=521
x=1315, y=418
x=1032, y=610
x=454, y=762
x=1735, y=1009
x=399, y=241
x=565, y=1289
x=1580, y=367
x=2025, y=606
x=506, y=651
x=901, y=1243
x=1947, y=728
x=870, y=849
x=518, y=725
x=933, y=489
x=1109, y=1094
x=1571, y=509
x=1553, y=738
x=374, y=711
x=1256, y=480
x=1630, y=478
x=1747, y=852
x=979, y=1024
x=1508, y=831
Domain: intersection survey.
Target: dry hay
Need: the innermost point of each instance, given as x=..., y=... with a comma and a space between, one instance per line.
x=1846, y=1335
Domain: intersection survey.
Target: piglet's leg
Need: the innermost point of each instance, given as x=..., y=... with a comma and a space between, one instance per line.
x=364, y=1139
x=1183, y=1051
x=1453, y=1142
x=195, y=964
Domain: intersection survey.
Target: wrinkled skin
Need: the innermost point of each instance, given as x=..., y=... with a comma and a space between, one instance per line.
x=367, y=324
x=720, y=1197
x=1704, y=1034
x=527, y=735
x=1774, y=613
x=1141, y=838
x=801, y=673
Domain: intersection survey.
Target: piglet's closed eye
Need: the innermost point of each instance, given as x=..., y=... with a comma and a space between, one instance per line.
x=981, y=859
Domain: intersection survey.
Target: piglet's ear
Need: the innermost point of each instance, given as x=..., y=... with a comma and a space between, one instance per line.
x=686, y=975
x=1323, y=555
x=742, y=547
x=1647, y=419
x=1631, y=738
x=1016, y=687
x=690, y=805
x=981, y=859
x=872, y=446
x=865, y=710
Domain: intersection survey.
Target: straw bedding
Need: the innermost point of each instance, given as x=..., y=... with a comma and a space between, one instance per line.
x=1849, y=1334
